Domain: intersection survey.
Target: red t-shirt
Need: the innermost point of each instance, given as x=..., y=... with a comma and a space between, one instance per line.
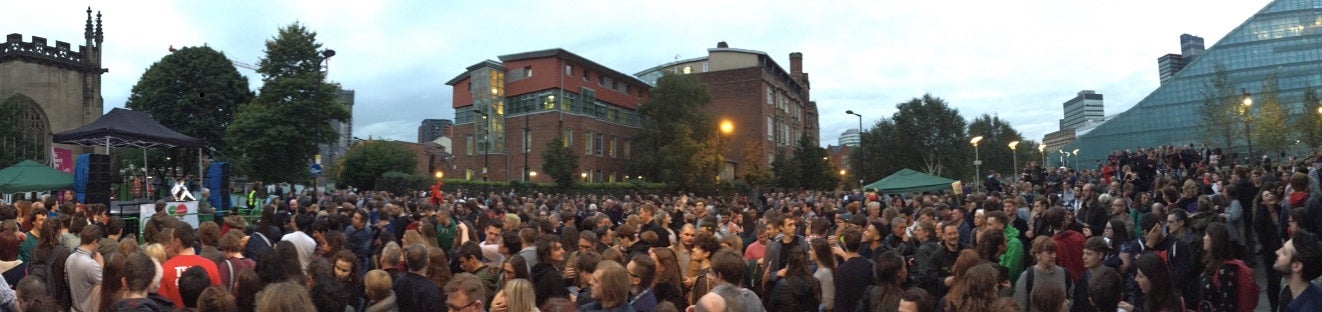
x=175, y=267
x=1069, y=252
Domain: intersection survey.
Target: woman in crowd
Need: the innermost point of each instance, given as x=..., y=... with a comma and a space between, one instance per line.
x=380, y=292
x=610, y=284
x=232, y=245
x=980, y=292
x=820, y=254
x=797, y=290
x=514, y=267
x=349, y=275
x=548, y=282
x=1218, y=276
x=517, y=295
x=668, y=282
x=891, y=273
x=1153, y=279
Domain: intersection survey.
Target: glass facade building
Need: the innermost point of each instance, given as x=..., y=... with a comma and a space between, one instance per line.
x=1284, y=38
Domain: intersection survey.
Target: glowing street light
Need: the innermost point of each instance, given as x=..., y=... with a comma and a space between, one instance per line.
x=727, y=127
x=1016, y=156
x=977, y=160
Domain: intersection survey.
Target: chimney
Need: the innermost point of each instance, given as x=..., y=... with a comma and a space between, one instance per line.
x=796, y=63
x=722, y=45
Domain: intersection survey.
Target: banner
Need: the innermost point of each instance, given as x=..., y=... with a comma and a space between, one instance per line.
x=62, y=159
x=957, y=187
x=184, y=211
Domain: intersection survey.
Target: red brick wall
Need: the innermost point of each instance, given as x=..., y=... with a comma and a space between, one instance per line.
x=545, y=127
x=461, y=96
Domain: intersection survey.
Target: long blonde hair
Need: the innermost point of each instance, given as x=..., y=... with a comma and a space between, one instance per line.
x=519, y=295
x=284, y=297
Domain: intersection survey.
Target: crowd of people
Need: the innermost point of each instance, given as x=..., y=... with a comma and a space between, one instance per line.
x=1171, y=229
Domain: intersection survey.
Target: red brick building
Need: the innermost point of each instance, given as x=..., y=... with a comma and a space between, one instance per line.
x=506, y=113
x=769, y=106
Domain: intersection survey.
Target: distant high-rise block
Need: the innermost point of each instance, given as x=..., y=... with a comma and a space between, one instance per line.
x=431, y=129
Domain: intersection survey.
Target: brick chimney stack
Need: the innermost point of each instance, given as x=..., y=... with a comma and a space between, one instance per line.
x=796, y=63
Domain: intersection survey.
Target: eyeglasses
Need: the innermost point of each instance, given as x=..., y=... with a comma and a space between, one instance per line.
x=459, y=308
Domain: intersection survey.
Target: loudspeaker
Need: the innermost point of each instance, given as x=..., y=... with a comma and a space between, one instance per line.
x=98, y=179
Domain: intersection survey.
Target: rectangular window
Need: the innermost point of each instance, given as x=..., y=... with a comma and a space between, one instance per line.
x=704, y=67
x=598, y=144
x=688, y=70
x=527, y=141
x=628, y=89
x=627, y=144
x=771, y=128
x=612, y=149
x=568, y=137
x=527, y=72
x=601, y=80
x=770, y=96
x=585, y=75
x=587, y=147
x=569, y=70
x=468, y=145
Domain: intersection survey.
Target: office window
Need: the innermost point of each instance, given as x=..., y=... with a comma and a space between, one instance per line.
x=568, y=137
x=468, y=145
x=612, y=149
x=597, y=143
x=587, y=149
x=569, y=70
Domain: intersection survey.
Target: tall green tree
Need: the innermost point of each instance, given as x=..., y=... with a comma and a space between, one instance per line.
x=366, y=162
x=277, y=134
x=1308, y=125
x=932, y=131
x=880, y=153
x=994, y=149
x=815, y=170
x=1269, y=119
x=677, y=143
x=1220, y=110
x=560, y=163
x=16, y=143
x=194, y=91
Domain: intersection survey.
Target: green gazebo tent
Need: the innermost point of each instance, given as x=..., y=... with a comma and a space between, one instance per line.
x=30, y=176
x=908, y=181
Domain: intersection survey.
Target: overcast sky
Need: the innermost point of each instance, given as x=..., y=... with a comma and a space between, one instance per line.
x=1016, y=59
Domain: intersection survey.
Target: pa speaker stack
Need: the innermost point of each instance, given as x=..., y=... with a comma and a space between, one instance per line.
x=98, y=179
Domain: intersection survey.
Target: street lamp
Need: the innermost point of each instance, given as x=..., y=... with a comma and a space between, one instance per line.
x=440, y=175
x=1016, y=157
x=1063, y=155
x=584, y=175
x=1042, y=149
x=486, y=148
x=977, y=160
x=1248, y=130
x=860, y=138
x=727, y=129
x=1076, y=158
x=532, y=174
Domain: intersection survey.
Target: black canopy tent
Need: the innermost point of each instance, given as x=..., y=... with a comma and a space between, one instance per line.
x=126, y=128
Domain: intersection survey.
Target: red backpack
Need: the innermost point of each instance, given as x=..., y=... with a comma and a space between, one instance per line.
x=1247, y=292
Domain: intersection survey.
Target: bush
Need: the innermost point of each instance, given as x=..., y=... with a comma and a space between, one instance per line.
x=402, y=183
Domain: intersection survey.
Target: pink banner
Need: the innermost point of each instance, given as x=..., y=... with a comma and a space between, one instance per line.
x=62, y=159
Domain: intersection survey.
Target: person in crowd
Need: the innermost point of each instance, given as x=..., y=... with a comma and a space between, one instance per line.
x=512, y=269
x=471, y=261
x=112, y=270
x=548, y=282
x=517, y=295
x=191, y=284
x=358, y=236
x=208, y=236
x=1013, y=256
x=1300, y=260
x=350, y=275
x=438, y=266
x=378, y=288
x=1049, y=297
x=305, y=244
x=668, y=284
x=1154, y=280
x=891, y=273
x=413, y=290
x=232, y=245
x=285, y=296
x=796, y=290
x=1104, y=291
x=1043, y=272
x=183, y=240
x=642, y=271
x=216, y=299
x=1095, y=250
x=84, y=269
x=1068, y=242
x=141, y=274
x=1120, y=252
x=610, y=285
x=854, y=274
x=820, y=254
x=1269, y=223
x=981, y=292
x=1216, y=282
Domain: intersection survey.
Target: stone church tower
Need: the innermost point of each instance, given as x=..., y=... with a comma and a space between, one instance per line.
x=57, y=89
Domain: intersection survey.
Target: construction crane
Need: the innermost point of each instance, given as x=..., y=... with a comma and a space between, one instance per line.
x=235, y=63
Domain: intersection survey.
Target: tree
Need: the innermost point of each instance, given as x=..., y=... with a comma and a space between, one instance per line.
x=677, y=142
x=880, y=154
x=994, y=149
x=15, y=142
x=560, y=163
x=1219, y=111
x=1308, y=125
x=815, y=170
x=1270, y=128
x=754, y=174
x=194, y=91
x=369, y=160
x=277, y=134
x=784, y=173
x=932, y=131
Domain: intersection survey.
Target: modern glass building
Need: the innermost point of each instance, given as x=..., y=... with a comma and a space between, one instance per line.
x=1284, y=38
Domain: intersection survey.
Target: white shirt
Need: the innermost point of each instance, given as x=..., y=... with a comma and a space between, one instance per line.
x=179, y=189
x=304, y=244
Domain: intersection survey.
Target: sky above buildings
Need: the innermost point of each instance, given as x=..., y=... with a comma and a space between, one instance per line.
x=1019, y=60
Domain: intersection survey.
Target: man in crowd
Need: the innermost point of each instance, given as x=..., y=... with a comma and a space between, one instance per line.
x=181, y=245
x=1300, y=261
x=413, y=290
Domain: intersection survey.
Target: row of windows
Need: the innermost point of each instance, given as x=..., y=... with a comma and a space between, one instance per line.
x=596, y=144
x=606, y=82
x=782, y=133
x=784, y=103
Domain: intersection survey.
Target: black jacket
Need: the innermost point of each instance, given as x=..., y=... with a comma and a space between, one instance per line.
x=546, y=283
x=153, y=303
x=795, y=294
x=415, y=292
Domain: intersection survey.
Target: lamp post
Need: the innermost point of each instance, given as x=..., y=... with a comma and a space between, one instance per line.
x=486, y=148
x=1063, y=155
x=860, y=140
x=1248, y=130
x=1042, y=149
x=1076, y=158
x=1015, y=165
x=977, y=161
x=727, y=129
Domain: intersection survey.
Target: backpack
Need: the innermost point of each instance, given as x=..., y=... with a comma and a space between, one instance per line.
x=1246, y=295
x=48, y=267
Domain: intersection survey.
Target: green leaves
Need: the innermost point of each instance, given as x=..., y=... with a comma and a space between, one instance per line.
x=195, y=91
x=277, y=135
x=560, y=163
x=369, y=160
x=678, y=143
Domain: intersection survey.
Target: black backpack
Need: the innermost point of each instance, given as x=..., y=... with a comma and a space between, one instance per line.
x=48, y=267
